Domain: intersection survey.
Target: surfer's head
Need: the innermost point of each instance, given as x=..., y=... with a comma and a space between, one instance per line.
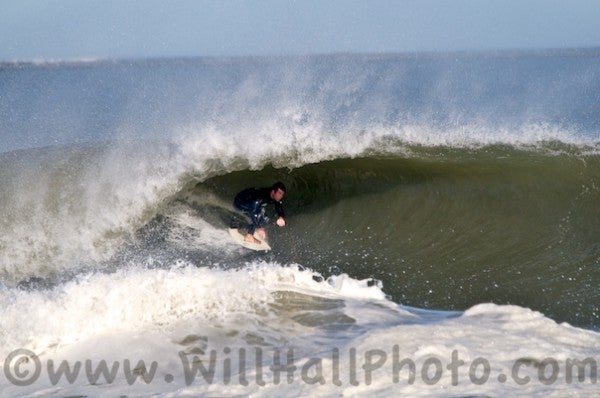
x=278, y=191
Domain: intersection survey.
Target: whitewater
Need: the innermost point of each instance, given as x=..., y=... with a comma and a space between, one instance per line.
x=442, y=235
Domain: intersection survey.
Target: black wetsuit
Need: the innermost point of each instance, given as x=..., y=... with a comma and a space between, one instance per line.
x=252, y=202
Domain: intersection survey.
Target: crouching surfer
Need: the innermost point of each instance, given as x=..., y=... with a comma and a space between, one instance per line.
x=253, y=202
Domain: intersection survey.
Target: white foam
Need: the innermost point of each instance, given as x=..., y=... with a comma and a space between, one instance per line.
x=500, y=335
x=136, y=299
x=190, y=231
x=164, y=309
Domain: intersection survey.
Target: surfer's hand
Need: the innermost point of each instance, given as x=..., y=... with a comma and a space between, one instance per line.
x=281, y=222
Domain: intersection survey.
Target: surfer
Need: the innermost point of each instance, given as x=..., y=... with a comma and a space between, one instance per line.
x=253, y=201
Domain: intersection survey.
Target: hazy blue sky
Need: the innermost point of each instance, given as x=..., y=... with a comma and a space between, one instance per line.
x=60, y=29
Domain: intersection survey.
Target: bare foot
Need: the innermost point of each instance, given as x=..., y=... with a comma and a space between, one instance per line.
x=251, y=239
x=261, y=232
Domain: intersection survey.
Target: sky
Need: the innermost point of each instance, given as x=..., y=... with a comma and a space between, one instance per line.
x=76, y=29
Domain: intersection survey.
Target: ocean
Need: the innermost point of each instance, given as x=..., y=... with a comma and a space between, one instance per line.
x=442, y=238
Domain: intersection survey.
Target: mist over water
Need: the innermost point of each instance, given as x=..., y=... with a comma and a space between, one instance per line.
x=438, y=182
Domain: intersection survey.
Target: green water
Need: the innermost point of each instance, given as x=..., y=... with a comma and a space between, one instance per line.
x=448, y=228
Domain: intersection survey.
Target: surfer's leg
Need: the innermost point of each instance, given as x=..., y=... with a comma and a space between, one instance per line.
x=255, y=225
x=252, y=211
x=248, y=209
x=257, y=217
x=252, y=226
x=261, y=219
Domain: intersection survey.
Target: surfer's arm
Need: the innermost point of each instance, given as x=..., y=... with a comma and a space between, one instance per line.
x=279, y=209
x=280, y=214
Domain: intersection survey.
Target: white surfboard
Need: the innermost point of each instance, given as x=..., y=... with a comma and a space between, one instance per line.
x=239, y=238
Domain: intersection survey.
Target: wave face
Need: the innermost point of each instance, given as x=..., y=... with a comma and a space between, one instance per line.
x=420, y=187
